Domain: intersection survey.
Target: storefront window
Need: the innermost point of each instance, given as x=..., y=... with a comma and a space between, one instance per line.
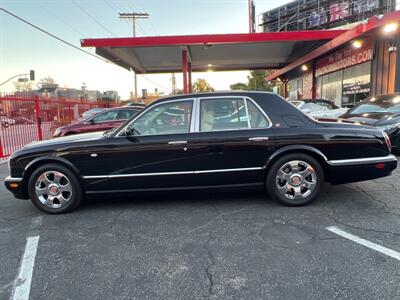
x=318, y=88
x=332, y=87
x=356, y=83
x=296, y=89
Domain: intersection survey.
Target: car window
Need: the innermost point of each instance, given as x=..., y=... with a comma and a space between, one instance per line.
x=126, y=114
x=222, y=114
x=167, y=118
x=257, y=119
x=106, y=116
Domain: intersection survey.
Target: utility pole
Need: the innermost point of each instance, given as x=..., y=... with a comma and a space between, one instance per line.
x=133, y=17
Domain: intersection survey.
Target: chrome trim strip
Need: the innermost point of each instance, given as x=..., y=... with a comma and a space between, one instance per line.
x=262, y=112
x=362, y=161
x=245, y=99
x=12, y=179
x=170, y=173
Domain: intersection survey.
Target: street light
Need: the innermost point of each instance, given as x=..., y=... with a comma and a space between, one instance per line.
x=357, y=44
x=304, y=68
x=390, y=27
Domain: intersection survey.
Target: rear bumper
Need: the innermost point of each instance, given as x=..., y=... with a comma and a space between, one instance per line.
x=15, y=186
x=360, y=169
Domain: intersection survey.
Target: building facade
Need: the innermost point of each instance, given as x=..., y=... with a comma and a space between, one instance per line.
x=322, y=14
x=361, y=66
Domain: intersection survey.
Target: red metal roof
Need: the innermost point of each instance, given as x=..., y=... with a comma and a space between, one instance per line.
x=222, y=51
x=351, y=34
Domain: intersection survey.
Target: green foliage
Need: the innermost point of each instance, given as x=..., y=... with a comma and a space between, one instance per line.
x=201, y=85
x=255, y=82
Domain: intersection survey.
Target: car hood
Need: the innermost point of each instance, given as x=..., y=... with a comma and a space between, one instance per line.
x=374, y=118
x=68, y=139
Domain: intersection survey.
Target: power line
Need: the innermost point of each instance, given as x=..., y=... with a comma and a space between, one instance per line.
x=52, y=35
x=156, y=84
x=92, y=18
x=71, y=45
x=61, y=20
x=115, y=8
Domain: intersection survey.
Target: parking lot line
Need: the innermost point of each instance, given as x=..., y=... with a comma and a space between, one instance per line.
x=23, y=282
x=364, y=242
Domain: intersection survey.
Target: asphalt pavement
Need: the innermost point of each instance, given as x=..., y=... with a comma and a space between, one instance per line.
x=214, y=245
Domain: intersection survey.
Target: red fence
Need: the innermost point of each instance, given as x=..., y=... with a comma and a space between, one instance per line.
x=27, y=119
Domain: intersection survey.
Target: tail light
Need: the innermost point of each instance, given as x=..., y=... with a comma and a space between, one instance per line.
x=388, y=142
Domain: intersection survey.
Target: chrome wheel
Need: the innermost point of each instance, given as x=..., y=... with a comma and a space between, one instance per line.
x=296, y=180
x=53, y=189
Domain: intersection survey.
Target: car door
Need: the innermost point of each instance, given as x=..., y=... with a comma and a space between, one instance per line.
x=235, y=138
x=152, y=151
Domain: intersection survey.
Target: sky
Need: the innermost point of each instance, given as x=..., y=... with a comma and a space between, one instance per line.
x=23, y=48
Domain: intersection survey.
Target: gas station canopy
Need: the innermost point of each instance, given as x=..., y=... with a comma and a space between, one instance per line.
x=221, y=52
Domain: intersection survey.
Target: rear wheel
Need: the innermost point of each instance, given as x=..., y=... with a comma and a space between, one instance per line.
x=54, y=189
x=295, y=179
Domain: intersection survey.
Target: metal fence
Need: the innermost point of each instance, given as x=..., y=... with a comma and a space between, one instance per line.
x=24, y=119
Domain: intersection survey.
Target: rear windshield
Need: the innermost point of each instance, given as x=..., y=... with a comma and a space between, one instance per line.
x=385, y=103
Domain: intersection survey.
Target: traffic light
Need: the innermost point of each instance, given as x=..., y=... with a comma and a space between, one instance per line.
x=32, y=75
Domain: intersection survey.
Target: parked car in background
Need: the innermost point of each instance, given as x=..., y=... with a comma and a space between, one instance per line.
x=181, y=142
x=91, y=112
x=23, y=121
x=382, y=111
x=102, y=121
x=6, y=121
x=319, y=108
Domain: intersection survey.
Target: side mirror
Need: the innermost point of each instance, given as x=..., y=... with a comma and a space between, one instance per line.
x=306, y=110
x=92, y=121
x=128, y=131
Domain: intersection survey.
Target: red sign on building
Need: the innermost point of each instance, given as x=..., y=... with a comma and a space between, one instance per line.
x=344, y=58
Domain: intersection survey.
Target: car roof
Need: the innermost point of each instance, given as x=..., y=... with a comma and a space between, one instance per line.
x=212, y=94
x=125, y=108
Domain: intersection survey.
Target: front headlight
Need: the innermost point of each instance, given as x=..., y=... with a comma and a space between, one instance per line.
x=389, y=127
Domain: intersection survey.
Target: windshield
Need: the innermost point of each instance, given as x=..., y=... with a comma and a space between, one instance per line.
x=384, y=104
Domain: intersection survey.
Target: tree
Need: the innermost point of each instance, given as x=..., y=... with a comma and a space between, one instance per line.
x=46, y=82
x=23, y=86
x=201, y=85
x=239, y=86
x=255, y=82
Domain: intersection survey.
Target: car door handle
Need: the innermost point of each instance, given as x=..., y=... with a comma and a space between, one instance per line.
x=177, y=143
x=259, y=139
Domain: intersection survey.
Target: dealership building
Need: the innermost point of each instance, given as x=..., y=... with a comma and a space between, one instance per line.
x=351, y=67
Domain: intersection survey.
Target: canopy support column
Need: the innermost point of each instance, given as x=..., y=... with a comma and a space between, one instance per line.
x=190, y=76
x=314, y=82
x=185, y=71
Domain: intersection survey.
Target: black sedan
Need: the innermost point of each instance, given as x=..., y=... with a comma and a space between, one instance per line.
x=202, y=141
x=382, y=111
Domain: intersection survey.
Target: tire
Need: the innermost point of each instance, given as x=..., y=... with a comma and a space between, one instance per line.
x=54, y=189
x=295, y=179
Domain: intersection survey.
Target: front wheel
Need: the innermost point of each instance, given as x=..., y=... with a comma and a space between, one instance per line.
x=54, y=189
x=295, y=179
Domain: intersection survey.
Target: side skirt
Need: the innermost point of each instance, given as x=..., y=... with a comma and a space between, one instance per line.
x=178, y=188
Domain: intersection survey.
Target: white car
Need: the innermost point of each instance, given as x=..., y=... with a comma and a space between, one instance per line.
x=5, y=121
x=319, y=108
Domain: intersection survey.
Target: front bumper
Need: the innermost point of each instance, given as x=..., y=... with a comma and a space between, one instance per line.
x=16, y=186
x=360, y=169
